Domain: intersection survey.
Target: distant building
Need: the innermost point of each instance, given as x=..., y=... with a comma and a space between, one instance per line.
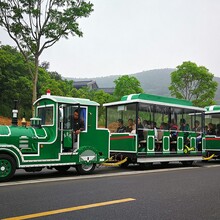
x=108, y=90
x=91, y=84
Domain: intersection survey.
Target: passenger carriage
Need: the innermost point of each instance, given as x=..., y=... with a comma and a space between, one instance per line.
x=157, y=144
x=212, y=121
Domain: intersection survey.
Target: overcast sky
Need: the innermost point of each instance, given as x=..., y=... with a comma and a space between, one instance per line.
x=129, y=36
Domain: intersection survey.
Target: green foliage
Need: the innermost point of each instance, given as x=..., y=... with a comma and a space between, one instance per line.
x=195, y=83
x=101, y=97
x=37, y=25
x=96, y=95
x=14, y=79
x=126, y=85
x=30, y=22
x=16, y=83
x=57, y=85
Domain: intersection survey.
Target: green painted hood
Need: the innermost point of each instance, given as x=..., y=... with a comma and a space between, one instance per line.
x=4, y=130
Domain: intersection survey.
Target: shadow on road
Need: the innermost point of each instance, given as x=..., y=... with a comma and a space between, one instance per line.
x=22, y=175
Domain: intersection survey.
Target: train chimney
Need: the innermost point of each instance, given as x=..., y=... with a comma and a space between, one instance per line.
x=15, y=114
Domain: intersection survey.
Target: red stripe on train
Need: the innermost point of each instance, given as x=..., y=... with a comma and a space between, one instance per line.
x=122, y=137
x=212, y=139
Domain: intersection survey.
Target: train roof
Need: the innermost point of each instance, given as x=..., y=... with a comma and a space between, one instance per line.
x=155, y=99
x=212, y=109
x=68, y=100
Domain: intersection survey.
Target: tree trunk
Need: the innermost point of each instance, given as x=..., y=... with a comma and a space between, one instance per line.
x=35, y=79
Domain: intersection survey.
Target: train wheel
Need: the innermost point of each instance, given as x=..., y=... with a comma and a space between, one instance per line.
x=85, y=168
x=7, y=167
x=62, y=169
x=187, y=163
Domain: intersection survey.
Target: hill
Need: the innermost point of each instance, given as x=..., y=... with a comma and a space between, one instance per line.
x=152, y=81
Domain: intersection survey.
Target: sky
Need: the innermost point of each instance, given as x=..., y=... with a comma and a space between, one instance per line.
x=130, y=36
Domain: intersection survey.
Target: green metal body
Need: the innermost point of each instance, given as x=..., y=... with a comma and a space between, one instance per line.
x=51, y=144
x=152, y=149
x=50, y=141
x=213, y=141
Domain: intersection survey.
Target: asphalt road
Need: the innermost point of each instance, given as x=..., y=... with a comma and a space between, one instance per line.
x=174, y=192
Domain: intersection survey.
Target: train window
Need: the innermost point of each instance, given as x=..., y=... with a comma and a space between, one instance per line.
x=214, y=120
x=152, y=116
x=124, y=112
x=67, y=112
x=46, y=115
x=161, y=116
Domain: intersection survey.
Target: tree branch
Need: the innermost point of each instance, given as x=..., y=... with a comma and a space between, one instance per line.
x=48, y=44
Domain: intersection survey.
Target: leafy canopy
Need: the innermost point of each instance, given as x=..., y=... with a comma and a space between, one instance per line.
x=126, y=85
x=14, y=83
x=36, y=25
x=13, y=75
x=195, y=83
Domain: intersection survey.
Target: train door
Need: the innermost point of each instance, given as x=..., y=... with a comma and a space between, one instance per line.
x=68, y=138
x=66, y=127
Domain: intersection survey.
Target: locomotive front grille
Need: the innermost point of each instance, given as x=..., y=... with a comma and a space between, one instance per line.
x=23, y=142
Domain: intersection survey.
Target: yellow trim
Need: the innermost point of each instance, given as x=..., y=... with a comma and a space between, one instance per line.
x=106, y=163
x=188, y=149
x=208, y=158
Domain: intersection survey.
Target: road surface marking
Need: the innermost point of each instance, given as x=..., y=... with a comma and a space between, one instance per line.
x=71, y=209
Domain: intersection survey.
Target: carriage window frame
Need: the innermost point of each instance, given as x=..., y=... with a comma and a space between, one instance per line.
x=68, y=114
x=213, y=118
x=47, y=115
x=124, y=111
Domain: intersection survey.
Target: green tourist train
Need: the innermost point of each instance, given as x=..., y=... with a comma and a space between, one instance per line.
x=140, y=129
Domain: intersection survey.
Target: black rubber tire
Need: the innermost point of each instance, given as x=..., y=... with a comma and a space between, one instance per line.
x=7, y=167
x=62, y=169
x=85, y=169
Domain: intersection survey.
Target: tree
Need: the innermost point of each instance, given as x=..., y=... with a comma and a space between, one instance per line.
x=101, y=97
x=194, y=83
x=13, y=69
x=57, y=86
x=13, y=75
x=36, y=25
x=126, y=85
